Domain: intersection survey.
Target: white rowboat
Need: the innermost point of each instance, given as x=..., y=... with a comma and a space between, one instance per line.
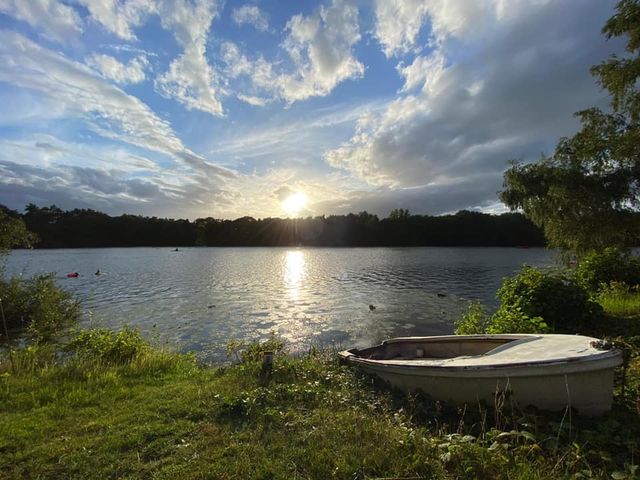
x=550, y=372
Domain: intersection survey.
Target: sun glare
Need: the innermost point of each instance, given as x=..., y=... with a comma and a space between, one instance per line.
x=294, y=203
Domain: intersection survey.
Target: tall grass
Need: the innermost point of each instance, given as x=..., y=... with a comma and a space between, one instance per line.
x=620, y=300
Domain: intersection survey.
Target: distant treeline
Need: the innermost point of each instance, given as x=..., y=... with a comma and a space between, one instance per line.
x=88, y=228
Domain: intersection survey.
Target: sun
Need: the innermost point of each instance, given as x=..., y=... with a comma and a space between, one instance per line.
x=294, y=203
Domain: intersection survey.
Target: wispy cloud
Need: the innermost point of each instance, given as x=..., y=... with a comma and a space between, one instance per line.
x=109, y=67
x=47, y=149
x=251, y=15
x=56, y=21
x=105, y=108
x=306, y=136
x=190, y=79
x=119, y=17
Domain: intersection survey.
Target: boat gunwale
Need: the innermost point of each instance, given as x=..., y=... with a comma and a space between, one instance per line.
x=608, y=358
x=454, y=338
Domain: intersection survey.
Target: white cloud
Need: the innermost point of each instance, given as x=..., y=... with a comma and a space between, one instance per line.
x=119, y=17
x=260, y=73
x=320, y=47
x=237, y=64
x=190, y=79
x=108, y=110
x=253, y=100
x=398, y=22
x=251, y=15
x=125, y=47
x=459, y=118
x=424, y=72
x=109, y=67
x=57, y=21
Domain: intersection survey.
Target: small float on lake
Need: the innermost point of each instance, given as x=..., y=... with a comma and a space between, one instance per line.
x=549, y=372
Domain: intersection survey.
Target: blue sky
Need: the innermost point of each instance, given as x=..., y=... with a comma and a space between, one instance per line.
x=196, y=108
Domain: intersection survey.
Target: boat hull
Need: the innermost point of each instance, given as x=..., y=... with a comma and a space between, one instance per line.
x=590, y=392
x=582, y=377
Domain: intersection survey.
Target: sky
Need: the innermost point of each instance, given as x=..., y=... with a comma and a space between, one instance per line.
x=212, y=108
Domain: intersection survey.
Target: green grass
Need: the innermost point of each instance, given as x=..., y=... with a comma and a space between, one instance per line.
x=621, y=303
x=159, y=415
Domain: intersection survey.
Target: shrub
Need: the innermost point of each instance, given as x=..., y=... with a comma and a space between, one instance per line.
x=505, y=320
x=38, y=304
x=475, y=321
x=611, y=265
x=533, y=301
x=553, y=296
x=106, y=346
x=513, y=320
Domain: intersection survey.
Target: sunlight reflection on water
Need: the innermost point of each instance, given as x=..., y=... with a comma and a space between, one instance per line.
x=199, y=298
x=293, y=272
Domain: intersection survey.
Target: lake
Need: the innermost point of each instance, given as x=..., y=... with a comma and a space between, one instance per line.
x=199, y=298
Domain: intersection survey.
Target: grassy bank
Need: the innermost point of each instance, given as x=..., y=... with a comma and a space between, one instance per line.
x=109, y=405
x=160, y=415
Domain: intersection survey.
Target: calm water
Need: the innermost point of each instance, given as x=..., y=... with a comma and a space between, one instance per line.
x=199, y=298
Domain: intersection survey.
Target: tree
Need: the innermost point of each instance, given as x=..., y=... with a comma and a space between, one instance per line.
x=586, y=195
x=399, y=214
x=13, y=232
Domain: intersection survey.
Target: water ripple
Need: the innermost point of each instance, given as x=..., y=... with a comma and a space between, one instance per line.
x=201, y=297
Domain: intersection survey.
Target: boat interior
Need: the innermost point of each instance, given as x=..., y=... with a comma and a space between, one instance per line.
x=447, y=347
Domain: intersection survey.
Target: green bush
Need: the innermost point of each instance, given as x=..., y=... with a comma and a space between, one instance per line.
x=553, y=296
x=38, y=305
x=505, y=320
x=611, y=265
x=534, y=301
x=106, y=346
x=513, y=320
x=475, y=321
